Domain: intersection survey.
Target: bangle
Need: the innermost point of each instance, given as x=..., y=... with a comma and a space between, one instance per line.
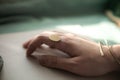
x=112, y=52
x=113, y=55
x=101, y=49
x=110, y=48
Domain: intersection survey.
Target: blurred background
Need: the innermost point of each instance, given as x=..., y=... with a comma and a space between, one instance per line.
x=85, y=17
x=22, y=19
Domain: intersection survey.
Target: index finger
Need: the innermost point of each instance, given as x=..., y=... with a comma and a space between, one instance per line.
x=62, y=45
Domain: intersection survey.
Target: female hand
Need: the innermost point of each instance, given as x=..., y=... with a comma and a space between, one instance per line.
x=85, y=58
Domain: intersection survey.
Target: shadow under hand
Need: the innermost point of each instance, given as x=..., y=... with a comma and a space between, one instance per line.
x=45, y=50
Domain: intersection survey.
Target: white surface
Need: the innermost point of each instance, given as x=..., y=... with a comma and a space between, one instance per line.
x=103, y=30
x=18, y=67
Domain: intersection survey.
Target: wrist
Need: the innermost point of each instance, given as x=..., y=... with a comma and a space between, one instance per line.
x=116, y=52
x=111, y=56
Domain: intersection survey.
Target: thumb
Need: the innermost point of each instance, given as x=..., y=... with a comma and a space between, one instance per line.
x=56, y=62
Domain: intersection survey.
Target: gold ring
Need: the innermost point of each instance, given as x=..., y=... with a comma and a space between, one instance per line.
x=54, y=37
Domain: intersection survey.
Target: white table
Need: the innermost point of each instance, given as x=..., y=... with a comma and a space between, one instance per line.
x=18, y=67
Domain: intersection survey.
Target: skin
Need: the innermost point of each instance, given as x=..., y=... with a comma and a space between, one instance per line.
x=85, y=58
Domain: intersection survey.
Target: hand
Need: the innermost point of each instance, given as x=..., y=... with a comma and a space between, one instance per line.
x=85, y=58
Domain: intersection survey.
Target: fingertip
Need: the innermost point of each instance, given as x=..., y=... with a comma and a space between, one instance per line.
x=31, y=56
x=24, y=46
x=28, y=53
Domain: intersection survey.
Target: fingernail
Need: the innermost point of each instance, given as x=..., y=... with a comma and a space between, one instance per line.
x=28, y=55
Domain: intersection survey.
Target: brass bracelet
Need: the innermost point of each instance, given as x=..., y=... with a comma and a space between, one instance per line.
x=101, y=49
x=113, y=55
x=111, y=52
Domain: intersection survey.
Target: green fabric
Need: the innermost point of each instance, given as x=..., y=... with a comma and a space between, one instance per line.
x=27, y=15
x=107, y=30
x=51, y=7
x=16, y=24
x=23, y=10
